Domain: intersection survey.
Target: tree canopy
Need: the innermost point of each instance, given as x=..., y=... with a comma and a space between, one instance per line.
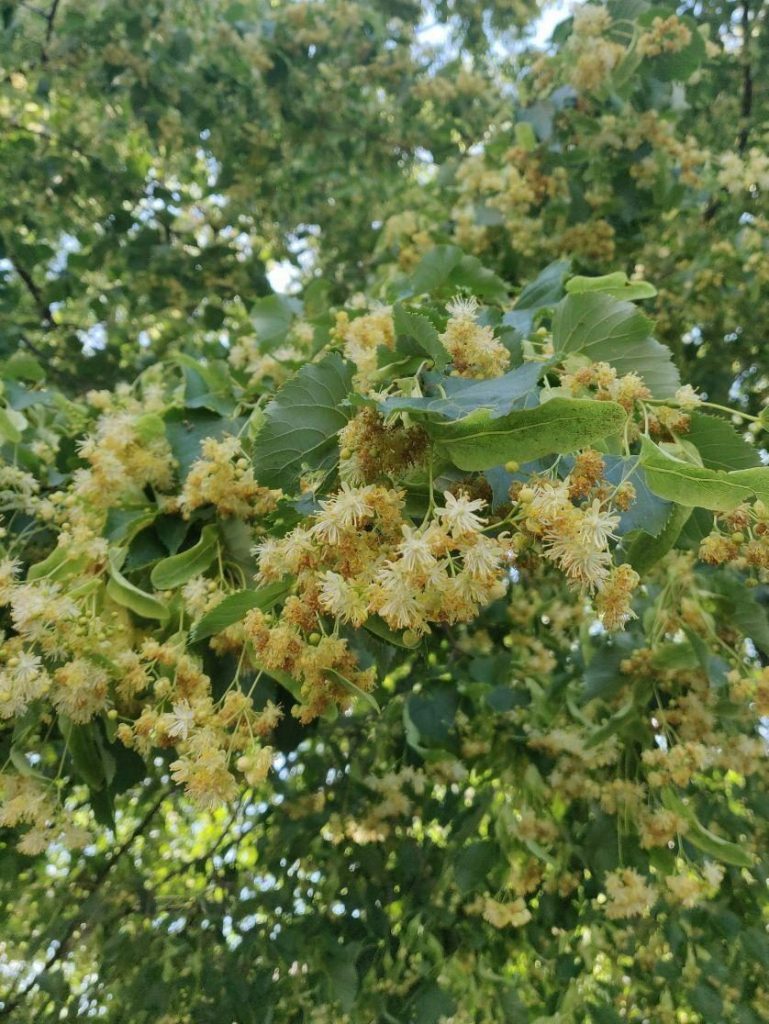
x=390, y=645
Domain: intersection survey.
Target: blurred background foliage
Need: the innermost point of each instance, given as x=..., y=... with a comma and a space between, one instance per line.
x=164, y=168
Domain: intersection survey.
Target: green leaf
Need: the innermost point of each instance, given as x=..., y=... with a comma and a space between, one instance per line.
x=562, y=425
x=123, y=592
x=171, y=530
x=471, y=275
x=588, y=321
x=740, y=607
x=351, y=688
x=12, y=425
x=617, y=285
x=607, y=330
x=602, y=677
x=755, y=942
x=59, y=565
x=22, y=366
x=498, y=395
x=687, y=484
x=716, y=668
x=473, y=864
x=124, y=523
x=434, y=268
x=447, y=268
x=343, y=981
x=294, y=687
x=707, y=1003
x=186, y=432
x=145, y=549
x=705, y=840
x=504, y=698
x=272, y=316
x=149, y=427
x=645, y=551
x=419, y=328
x=604, y=1014
x=545, y=290
x=675, y=655
x=431, y=1005
x=26, y=723
x=626, y=715
x=698, y=526
x=177, y=569
x=301, y=424
x=719, y=444
x=207, y=385
x=238, y=545
x=233, y=607
x=379, y=628
x=93, y=763
x=524, y=136
x=648, y=512
x=431, y=713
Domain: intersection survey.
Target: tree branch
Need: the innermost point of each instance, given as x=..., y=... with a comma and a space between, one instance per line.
x=50, y=19
x=42, y=306
x=746, y=106
x=101, y=875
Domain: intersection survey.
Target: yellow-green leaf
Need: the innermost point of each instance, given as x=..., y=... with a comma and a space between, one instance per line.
x=177, y=569
x=560, y=426
x=123, y=592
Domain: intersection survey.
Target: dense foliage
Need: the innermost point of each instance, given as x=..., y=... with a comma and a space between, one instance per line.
x=394, y=649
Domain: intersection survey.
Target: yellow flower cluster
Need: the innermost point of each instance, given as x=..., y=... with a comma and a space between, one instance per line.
x=361, y=557
x=740, y=538
x=371, y=450
x=223, y=477
x=744, y=172
x=665, y=35
x=19, y=490
x=577, y=537
x=88, y=649
x=592, y=241
x=277, y=363
x=596, y=58
x=590, y=20
x=210, y=737
x=25, y=801
x=474, y=350
x=362, y=336
x=125, y=453
x=601, y=381
x=513, y=913
x=517, y=190
x=628, y=894
x=689, y=888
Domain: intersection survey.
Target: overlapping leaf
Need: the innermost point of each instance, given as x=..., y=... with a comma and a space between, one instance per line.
x=301, y=423
x=608, y=330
